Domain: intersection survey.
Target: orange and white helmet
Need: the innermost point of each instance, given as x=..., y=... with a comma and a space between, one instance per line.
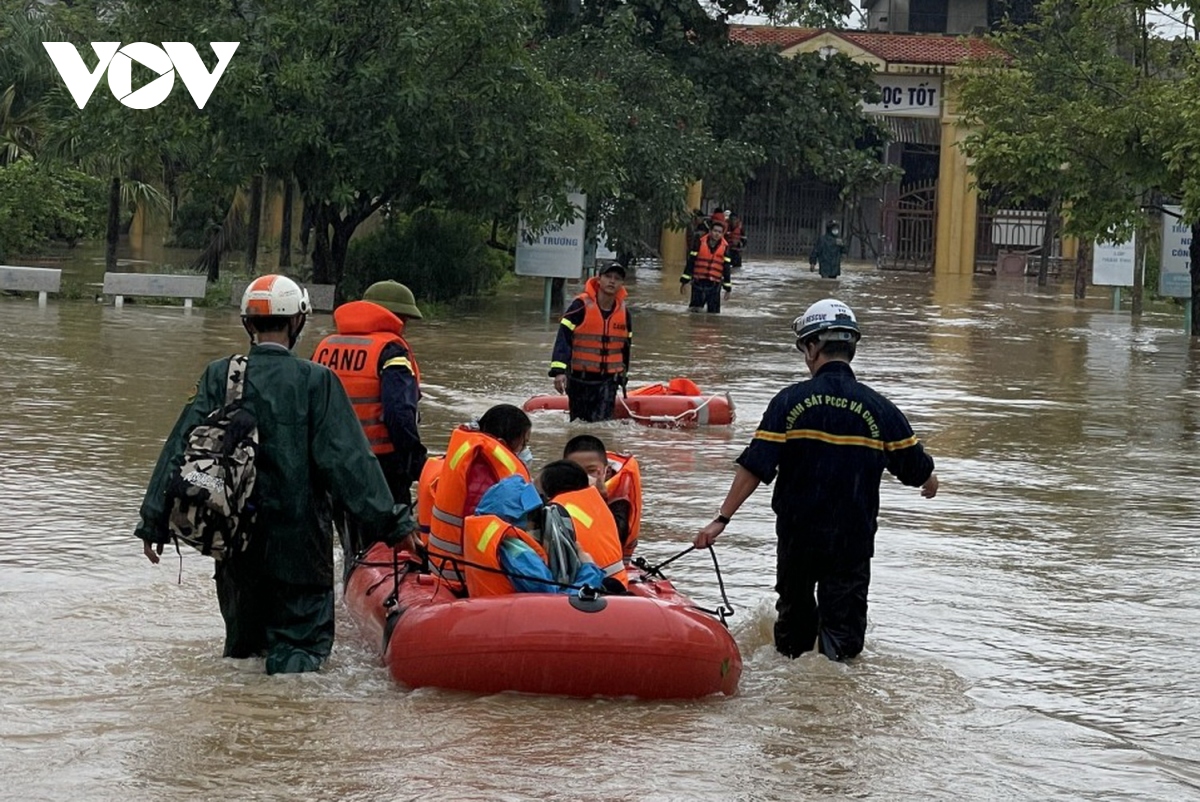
x=275, y=296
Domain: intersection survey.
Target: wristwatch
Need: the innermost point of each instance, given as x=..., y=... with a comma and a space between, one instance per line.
x=724, y=519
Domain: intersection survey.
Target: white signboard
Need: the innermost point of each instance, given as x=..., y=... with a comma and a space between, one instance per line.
x=1112, y=264
x=1175, y=278
x=558, y=251
x=907, y=96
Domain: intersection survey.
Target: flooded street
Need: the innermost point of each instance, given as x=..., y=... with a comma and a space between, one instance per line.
x=1031, y=629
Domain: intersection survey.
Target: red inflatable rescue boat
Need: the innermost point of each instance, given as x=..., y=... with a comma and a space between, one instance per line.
x=679, y=402
x=651, y=644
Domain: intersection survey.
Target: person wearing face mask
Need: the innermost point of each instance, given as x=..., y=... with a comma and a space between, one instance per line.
x=477, y=457
x=827, y=253
x=619, y=480
x=566, y=484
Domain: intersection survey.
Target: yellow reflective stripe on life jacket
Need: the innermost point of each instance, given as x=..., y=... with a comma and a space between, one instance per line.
x=488, y=534
x=457, y=458
x=834, y=439
x=501, y=454
x=578, y=514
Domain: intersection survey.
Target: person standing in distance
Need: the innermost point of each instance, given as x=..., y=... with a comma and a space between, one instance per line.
x=591, y=352
x=709, y=269
x=277, y=596
x=828, y=440
x=827, y=252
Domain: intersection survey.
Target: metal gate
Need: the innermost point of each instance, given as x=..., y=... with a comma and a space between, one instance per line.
x=908, y=227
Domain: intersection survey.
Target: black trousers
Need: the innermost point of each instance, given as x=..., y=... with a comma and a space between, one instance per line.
x=705, y=294
x=591, y=398
x=821, y=599
x=290, y=625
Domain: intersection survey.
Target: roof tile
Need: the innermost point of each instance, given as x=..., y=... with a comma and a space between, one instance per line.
x=895, y=48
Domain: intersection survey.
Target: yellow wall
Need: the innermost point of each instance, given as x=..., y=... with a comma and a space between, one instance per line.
x=957, y=200
x=672, y=245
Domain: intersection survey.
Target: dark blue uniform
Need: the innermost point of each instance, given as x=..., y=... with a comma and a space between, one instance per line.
x=829, y=440
x=399, y=394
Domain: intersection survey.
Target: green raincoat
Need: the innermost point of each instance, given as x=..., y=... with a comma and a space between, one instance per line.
x=311, y=450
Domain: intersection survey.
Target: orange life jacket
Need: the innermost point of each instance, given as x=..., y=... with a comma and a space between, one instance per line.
x=595, y=530
x=444, y=541
x=626, y=485
x=363, y=330
x=426, y=487
x=734, y=236
x=710, y=263
x=598, y=343
x=482, y=536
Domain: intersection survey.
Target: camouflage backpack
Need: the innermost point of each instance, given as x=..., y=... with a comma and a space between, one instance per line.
x=209, y=491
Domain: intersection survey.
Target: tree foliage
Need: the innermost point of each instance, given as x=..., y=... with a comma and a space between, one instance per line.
x=47, y=202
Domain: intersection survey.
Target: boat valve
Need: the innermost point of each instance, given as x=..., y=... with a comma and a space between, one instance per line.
x=588, y=600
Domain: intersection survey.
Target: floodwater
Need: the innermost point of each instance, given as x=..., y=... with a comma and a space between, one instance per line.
x=1032, y=628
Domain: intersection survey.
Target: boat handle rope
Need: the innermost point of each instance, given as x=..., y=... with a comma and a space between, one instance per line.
x=724, y=611
x=687, y=413
x=455, y=562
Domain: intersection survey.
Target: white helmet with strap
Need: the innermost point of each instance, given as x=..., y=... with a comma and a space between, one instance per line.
x=827, y=319
x=275, y=296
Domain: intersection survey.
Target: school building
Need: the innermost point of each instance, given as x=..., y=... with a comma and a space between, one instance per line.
x=931, y=218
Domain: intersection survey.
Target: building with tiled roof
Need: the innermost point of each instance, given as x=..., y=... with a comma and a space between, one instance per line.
x=930, y=219
x=933, y=50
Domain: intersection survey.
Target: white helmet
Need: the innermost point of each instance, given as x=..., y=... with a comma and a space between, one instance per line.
x=827, y=319
x=275, y=296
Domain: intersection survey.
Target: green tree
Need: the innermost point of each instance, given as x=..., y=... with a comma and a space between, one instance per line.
x=1069, y=118
x=41, y=202
x=406, y=104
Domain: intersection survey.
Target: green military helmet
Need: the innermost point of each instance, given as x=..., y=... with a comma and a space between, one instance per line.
x=394, y=297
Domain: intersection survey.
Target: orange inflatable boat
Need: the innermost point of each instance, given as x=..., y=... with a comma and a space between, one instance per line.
x=678, y=402
x=652, y=644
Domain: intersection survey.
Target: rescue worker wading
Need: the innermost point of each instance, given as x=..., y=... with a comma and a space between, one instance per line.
x=709, y=270
x=277, y=597
x=380, y=374
x=591, y=353
x=829, y=439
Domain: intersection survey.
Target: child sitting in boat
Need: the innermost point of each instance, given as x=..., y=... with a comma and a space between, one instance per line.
x=619, y=480
x=566, y=484
x=516, y=544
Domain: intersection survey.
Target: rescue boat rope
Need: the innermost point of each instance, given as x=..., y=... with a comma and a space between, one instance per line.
x=687, y=413
x=725, y=610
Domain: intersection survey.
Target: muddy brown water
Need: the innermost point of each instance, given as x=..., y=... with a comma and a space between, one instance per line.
x=1032, y=629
